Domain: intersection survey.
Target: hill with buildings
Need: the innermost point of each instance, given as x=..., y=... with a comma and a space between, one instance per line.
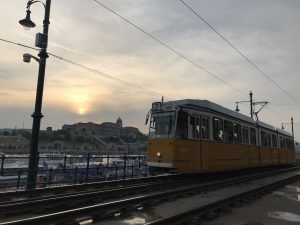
x=104, y=138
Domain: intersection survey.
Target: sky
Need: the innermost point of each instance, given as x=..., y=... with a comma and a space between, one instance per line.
x=266, y=31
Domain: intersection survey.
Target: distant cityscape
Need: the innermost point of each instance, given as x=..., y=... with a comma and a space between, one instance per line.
x=79, y=138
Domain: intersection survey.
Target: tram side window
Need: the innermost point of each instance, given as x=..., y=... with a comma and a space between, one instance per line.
x=204, y=128
x=252, y=136
x=195, y=126
x=263, y=138
x=182, y=125
x=245, y=131
x=269, y=144
x=274, y=141
x=287, y=143
x=237, y=133
x=218, y=129
x=281, y=141
x=228, y=131
x=290, y=144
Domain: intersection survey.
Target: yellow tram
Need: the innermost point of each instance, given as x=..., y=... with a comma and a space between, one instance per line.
x=198, y=136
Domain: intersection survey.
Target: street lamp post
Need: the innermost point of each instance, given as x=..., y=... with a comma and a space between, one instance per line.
x=42, y=42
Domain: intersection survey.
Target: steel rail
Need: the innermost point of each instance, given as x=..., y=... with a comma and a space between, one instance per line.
x=6, y=196
x=77, y=188
x=106, y=190
x=109, y=208
x=25, y=206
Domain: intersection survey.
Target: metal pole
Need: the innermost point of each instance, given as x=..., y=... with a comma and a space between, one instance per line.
x=251, y=104
x=97, y=172
x=2, y=165
x=75, y=176
x=18, y=181
x=124, y=168
x=65, y=163
x=37, y=115
x=87, y=168
x=292, y=121
x=50, y=177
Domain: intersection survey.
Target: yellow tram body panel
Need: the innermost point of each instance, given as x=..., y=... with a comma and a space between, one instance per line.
x=291, y=156
x=166, y=149
x=188, y=156
x=275, y=156
x=265, y=156
x=252, y=154
x=195, y=156
x=283, y=157
x=224, y=156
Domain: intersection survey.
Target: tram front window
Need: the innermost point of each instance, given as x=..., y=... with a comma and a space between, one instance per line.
x=162, y=125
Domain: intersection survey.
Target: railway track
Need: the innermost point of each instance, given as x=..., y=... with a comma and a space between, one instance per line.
x=78, y=188
x=118, y=200
x=41, y=193
x=214, y=208
x=63, y=202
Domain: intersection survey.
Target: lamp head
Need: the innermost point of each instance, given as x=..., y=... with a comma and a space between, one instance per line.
x=26, y=57
x=237, y=108
x=27, y=23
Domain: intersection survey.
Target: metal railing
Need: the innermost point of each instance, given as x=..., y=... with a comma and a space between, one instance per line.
x=56, y=170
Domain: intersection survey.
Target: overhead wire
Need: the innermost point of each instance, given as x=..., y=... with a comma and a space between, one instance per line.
x=126, y=83
x=141, y=89
x=111, y=77
x=171, y=49
x=240, y=53
x=192, y=62
x=15, y=43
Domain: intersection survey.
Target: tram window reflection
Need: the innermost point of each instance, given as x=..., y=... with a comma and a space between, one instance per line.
x=182, y=125
x=218, y=129
x=162, y=125
x=282, y=143
x=269, y=140
x=245, y=131
x=252, y=136
x=228, y=131
x=237, y=133
x=274, y=141
x=263, y=138
x=204, y=128
x=195, y=127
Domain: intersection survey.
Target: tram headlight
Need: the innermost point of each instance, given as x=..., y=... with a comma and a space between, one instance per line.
x=159, y=155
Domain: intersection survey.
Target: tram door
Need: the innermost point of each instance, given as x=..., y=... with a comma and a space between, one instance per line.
x=195, y=144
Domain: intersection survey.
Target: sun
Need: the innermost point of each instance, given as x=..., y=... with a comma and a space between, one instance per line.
x=80, y=103
x=81, y=111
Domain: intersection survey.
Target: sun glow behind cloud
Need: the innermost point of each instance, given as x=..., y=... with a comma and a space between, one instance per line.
x=80, y=103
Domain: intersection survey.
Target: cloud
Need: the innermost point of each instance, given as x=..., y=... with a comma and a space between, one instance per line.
x=84, y=32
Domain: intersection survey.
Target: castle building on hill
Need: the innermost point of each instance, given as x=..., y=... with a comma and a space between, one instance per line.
x=106, y=129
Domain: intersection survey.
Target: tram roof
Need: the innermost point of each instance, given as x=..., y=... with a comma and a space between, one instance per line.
x=196, y=103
